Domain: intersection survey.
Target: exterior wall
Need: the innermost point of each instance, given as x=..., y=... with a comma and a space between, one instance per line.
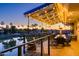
x=75, y=28
x=77, y=31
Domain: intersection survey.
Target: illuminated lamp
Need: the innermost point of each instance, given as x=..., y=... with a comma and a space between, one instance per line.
x=78, y=25
x=60, y=28
x=45, y=11
x=53, y=7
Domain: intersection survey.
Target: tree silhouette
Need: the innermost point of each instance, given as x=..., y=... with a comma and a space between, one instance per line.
x=11, y=24
x=2, y=23
x=34, y=25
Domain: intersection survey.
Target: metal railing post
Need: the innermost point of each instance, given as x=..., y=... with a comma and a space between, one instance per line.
x=24, y=45
x=49, y=45
x=19, y=51
x=41, y=47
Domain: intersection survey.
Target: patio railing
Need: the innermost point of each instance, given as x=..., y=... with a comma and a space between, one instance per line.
x=20, y=50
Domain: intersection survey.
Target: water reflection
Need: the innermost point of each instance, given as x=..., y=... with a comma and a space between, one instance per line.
x=20, y=39
x=5, y=44
x=9, y=43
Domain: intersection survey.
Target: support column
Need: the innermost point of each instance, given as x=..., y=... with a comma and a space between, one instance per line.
x=75, y=28
x=77, y=31
x=28, y=23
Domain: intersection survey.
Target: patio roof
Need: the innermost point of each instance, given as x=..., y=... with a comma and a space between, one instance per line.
x=49, y=13
x=37, y=8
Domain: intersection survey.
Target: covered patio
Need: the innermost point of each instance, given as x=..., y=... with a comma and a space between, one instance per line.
x=59, y=15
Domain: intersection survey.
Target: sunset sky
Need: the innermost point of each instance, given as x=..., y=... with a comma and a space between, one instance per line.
x=14, y=12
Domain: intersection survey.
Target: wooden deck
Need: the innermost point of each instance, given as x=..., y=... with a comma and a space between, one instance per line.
x=72, y=50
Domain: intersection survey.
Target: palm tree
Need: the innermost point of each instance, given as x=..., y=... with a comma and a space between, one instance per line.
x=22, y=25
x=2, y=23
x=11, y=24
x=34, y=25
x=7, y=26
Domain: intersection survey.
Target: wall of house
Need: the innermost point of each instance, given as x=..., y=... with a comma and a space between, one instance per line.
x=77, y=31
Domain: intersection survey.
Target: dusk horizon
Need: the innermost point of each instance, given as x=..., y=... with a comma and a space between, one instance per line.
x=14, y=12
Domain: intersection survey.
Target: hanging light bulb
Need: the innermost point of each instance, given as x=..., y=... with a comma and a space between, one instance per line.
x=45, y=11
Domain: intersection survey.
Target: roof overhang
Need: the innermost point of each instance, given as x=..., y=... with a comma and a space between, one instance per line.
x=45, y=13
x=49, y=13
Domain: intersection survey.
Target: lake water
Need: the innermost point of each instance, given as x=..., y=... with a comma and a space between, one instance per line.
x=13, y=52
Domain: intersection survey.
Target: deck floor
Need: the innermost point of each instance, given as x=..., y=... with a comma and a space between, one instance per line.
x=72, y=50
